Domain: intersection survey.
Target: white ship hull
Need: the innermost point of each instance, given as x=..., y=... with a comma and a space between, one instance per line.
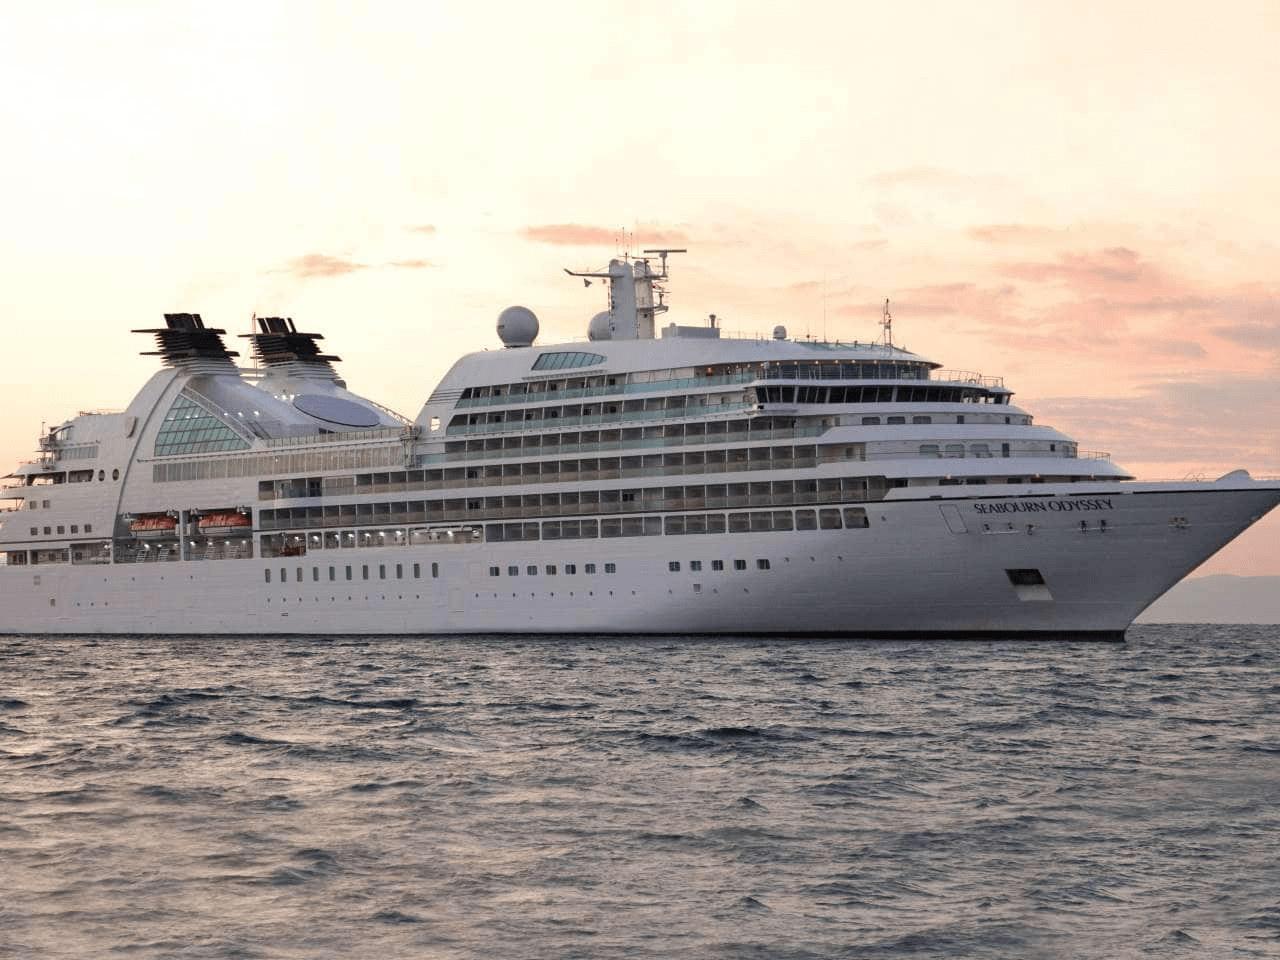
x=645, y=481
x=937, y=567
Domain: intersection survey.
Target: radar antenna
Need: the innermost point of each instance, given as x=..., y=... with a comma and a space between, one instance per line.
x=662, y=254
x=886, y=324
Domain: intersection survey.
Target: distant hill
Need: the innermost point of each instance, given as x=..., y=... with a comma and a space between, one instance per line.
x=1221, y=598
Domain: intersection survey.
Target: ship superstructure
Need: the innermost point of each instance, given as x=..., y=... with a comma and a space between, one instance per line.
x=650, y=479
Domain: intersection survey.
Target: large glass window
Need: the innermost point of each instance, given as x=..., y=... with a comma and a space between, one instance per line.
x=190, y=428
x=563, y=360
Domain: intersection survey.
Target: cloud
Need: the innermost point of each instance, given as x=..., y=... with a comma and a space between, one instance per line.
x=1219, y=422
x=411, y=264
x=1262, y=335
x=427, y=228
x=1105, y=270
x=320, y=265
x=584, y=235
x=962, y=298
x=573, y=234
x=1020, y=233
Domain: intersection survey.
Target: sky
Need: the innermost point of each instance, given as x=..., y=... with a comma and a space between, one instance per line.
x=1080, y=198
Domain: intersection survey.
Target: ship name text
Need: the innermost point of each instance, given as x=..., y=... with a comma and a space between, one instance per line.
x=1044, y=506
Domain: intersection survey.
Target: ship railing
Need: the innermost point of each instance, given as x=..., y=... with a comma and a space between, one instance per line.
x=965, y=376
x=615, y=390
x=824, y=372
x=594, y=420
x=718, y=440
x=380, y=435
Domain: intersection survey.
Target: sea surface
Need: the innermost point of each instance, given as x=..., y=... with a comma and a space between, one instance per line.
x=597, y=798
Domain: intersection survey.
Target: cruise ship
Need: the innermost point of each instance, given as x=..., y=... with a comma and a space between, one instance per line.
x=651, y=478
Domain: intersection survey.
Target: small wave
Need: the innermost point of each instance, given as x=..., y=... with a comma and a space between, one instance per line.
x=165, y=794
x=12, y=704
x=1269, y=748
x=394, y=916
x=309, y=864
x=392, y=703
x=1177, y=938
x=238, y=739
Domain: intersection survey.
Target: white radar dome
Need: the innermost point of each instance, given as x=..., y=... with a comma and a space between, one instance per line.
x=779, y=332
x=600, y=328
x=517, y=327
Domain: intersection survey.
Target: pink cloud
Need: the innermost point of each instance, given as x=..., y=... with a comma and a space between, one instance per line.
x=411, y=264
x=427, y=228
x=1107, y=270
x=320, y=265
x=578, y=234
x=573, y=234
x=1014, y=233
x=1221, y=422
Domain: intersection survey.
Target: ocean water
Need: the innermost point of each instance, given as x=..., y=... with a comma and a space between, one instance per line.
x=597, y=798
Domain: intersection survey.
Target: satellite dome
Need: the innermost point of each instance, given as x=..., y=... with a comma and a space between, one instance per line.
x=779, y=332
x=517, y=327
x=600, y=327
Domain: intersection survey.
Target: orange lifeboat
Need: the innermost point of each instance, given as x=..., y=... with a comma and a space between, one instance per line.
x=223, y=523
x=153, y=525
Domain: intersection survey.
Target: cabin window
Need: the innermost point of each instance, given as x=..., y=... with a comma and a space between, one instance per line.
x=284, y=575
x=495, y=571
x=695, y=565
x=531, y=570
x=762, y=564
x=922, y=419
x=855, y=518
x=551, y=570
x=610, y=568
x=399, y=571
x=315, y=574
x=348, y=572
x=570, y=569
x=673, y=566
x=739, y=564
x=382, y=571
x=435, y=570
x=717, y=564
x=589, y=568
x=268, y=574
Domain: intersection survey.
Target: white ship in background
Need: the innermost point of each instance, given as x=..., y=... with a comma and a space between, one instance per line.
x=652, y=479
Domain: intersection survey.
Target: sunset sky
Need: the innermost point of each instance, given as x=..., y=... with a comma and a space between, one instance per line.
x=1081, y=198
